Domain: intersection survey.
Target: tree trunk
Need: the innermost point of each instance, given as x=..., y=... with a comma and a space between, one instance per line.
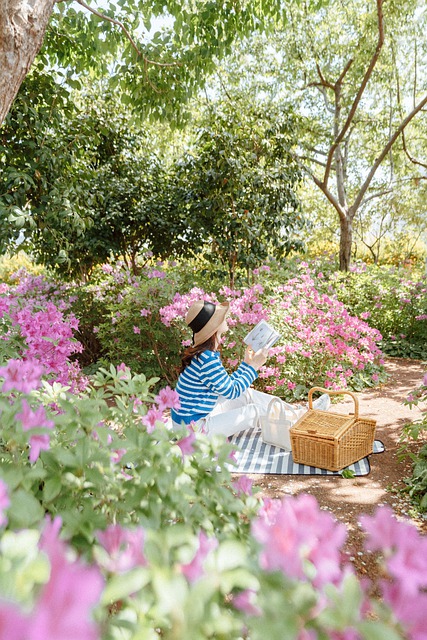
x=22, y=28
x=346, y=241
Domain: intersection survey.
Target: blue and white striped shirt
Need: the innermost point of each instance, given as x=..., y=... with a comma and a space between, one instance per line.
x=205, y=378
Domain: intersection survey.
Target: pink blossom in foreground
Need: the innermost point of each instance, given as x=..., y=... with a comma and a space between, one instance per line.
x=246, y=601
x=4, y=502
x=301, y=531
x=243, y=486
x=124, y=547
x=411, y=611
x=194, y=569
x=124, y=371
x=117, y=455
x=35, y=420
x=64, y=608
x=187, y=444
x=404, y=548
x=13, y=623
x=21, y=375
x=151, y=418
x=167, y=398
x=268, y=510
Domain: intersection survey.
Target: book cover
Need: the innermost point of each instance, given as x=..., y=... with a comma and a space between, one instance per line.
x=262, y=336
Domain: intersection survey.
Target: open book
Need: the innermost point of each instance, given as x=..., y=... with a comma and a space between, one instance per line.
x=262, y=336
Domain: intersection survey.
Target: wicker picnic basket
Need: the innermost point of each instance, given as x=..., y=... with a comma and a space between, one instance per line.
x=330, y=440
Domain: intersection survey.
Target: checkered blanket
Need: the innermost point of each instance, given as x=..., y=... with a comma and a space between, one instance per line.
x=255, y=456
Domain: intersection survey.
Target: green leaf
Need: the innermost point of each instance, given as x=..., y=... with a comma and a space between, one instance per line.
x=372, y=630
x=122, y=586
x=25, y=510
x=52, y=488
x=347, y=473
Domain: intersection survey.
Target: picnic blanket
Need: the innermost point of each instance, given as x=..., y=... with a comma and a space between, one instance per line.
x=255, y=456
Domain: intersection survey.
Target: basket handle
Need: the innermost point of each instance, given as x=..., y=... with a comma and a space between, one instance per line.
x=337, y=392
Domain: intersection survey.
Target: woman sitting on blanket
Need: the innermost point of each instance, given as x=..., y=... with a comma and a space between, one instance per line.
x=216, y=402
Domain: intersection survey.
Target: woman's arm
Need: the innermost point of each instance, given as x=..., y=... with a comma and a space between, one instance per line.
x=216, y=378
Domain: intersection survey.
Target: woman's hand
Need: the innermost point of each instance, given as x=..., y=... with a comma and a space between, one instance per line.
x=255, y=360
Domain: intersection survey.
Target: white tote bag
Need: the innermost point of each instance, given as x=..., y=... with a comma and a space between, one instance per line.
x=276, y=424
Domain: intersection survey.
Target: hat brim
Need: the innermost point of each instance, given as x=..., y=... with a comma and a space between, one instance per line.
x=213, y=324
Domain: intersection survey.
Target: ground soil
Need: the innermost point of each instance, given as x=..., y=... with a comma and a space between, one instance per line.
x=348, y=498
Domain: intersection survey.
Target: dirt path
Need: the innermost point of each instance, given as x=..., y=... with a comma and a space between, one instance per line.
x=348, y=498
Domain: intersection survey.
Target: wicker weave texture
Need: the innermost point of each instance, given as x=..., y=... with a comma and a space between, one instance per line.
x=330, y=440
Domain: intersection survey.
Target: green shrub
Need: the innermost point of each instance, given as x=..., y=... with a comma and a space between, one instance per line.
x=415, y=432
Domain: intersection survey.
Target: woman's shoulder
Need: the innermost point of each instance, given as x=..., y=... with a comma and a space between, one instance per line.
x=207, y=355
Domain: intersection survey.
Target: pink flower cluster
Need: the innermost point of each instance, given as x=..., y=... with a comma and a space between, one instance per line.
x=47, y=331
x=21, y=375
x=4, y=502
x=167, y=398
x=64, y=606
x=35, y=420
x=194, y=569
x=295, y=531
x=322, y=343
x=405, y=559
x=124, y=547
x=305, y=543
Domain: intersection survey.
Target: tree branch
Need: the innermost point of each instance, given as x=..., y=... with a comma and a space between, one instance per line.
x=409, y=156
x=380, y=194
x=102, y=16
x=330, y=196
x=385, y=151
x=362, y=88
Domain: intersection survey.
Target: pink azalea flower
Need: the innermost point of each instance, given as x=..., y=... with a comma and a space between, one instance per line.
x=13, y=624
x=383, y=530
x=64, y=608
x=35, y=420
x=136, y=329
x=301, y=531
x=167, y=399
x=151, y=418
x=125, y=548
x=4, y=502
x=117, y=455
x=194, y=569
x=145, y=312
x=409, y=610
x=269, y=509
x=246, y=601
x=187, y=444
x=124, y=371
x=243, y=486
x=21, y=375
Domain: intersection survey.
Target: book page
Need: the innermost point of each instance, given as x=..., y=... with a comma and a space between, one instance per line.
x=262, y=336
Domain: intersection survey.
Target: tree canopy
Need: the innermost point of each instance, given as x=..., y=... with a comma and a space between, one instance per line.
x=156, y=53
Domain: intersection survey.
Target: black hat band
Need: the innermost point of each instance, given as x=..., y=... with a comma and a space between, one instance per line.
x=203, y=317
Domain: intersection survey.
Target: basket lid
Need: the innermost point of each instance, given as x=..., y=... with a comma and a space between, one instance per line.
x=325, y=424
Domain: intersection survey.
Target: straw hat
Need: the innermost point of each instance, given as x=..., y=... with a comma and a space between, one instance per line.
x=204, y=319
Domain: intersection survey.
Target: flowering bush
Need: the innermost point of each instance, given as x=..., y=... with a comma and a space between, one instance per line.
x=36, y=324
x=139, y=320
x=105, y=456
x=286, y=579
x=321, y=345
x=391, y=300
x=416, y=431
x=168, y=545
x=125, y=320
